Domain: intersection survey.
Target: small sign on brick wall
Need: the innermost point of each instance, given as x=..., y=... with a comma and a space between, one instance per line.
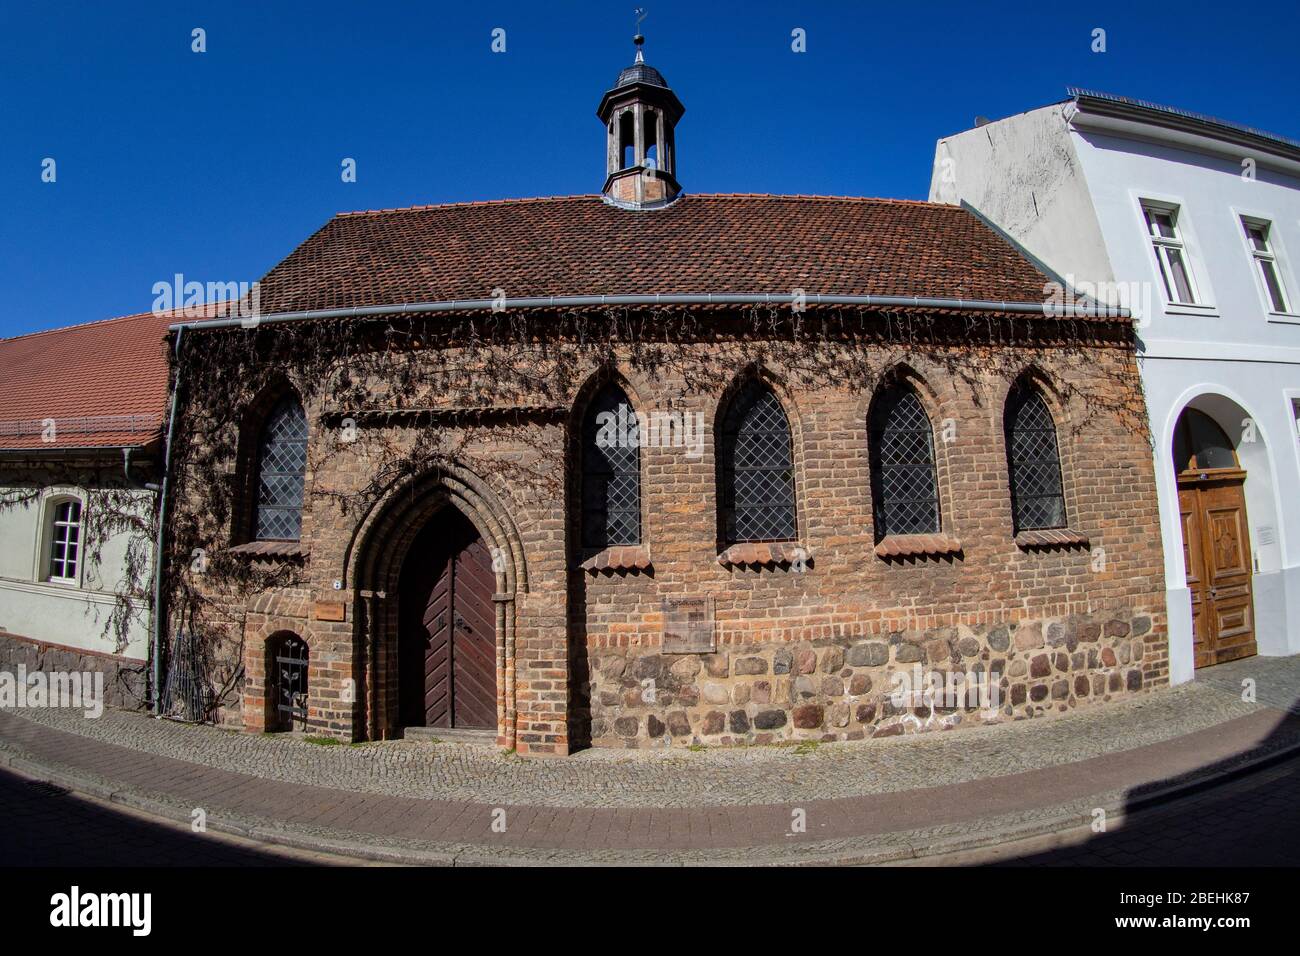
x=688, y=626
x=330, y=611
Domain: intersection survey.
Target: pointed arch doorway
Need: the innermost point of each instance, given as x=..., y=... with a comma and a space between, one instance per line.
x=447, y=669
x=1216, y=540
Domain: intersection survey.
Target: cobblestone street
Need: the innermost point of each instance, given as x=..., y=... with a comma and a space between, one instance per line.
x=935, y=796
x=1247, y=822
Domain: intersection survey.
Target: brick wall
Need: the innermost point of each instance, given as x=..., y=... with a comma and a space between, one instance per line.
x=805, y=650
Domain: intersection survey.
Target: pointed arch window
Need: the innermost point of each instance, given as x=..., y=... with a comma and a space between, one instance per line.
x=905, y=496
x=757, y=480
x=1033, y=462
x=281, y=466
x=611, y=471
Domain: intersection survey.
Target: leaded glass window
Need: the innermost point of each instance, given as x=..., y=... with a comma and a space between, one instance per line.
x=611, y=471
x=905, y=497
x=281, y=464
x=757, y=468
x=1033, y=462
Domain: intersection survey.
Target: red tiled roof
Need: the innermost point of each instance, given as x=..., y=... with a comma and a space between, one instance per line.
x=104, y=384
x=580, y=245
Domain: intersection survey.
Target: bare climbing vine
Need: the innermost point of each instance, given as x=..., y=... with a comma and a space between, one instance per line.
x=390, y=398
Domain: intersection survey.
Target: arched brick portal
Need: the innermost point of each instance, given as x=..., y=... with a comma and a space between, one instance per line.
x=375, y=560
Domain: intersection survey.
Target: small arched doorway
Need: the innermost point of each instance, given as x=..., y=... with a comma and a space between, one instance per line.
x=1216, y=540
x=288, y=660
x=447, y=668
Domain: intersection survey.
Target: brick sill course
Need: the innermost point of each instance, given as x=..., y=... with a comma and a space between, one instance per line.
x=1047, y=538
x=626, y=557
x=918, y=545
x=768, y=554
x=269, y=549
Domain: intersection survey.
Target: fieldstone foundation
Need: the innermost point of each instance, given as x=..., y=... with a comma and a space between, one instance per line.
x=849, y=688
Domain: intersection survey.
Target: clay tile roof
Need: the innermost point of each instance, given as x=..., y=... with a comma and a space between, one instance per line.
x=104, y=384
x=580, y=245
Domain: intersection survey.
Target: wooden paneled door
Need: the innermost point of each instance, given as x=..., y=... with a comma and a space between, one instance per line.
x=447, y=632
x=1216, y=552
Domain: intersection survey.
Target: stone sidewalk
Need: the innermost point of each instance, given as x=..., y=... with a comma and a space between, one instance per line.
x=873, y=801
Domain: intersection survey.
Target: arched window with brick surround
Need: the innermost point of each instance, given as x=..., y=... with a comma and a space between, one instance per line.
x=904, y=487
x=1033, y=461
x=756, y=468
x=281, y=467
x=611, y=471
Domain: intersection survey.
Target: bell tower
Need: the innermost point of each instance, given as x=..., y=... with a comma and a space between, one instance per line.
x=640, y=114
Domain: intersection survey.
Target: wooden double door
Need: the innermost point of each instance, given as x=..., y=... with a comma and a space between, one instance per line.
x=447, y=630
x=1216, y=550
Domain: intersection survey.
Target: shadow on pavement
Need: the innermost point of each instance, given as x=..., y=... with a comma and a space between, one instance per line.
x=1245, y=820
x=44, y=825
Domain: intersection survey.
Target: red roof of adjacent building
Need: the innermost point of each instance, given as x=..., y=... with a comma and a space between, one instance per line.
x=103, y=384
x=581, y=245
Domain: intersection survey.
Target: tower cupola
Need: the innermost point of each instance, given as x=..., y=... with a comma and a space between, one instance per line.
x=640, y=114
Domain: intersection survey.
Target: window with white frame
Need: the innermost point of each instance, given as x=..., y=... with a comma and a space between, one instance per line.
x=65, y=541
x=1171, y=255
x=1261, y=250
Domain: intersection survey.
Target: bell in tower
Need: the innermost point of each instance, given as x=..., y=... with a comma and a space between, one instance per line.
x=639, y=114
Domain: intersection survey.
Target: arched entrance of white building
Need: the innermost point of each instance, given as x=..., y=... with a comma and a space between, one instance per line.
x=1216, y=539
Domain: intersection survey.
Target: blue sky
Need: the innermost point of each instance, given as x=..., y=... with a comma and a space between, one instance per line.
x=216, y=165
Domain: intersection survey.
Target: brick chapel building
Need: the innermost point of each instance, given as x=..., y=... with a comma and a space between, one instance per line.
x=648, y=468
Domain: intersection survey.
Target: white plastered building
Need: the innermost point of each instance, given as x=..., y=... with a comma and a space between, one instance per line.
x=1193, y=223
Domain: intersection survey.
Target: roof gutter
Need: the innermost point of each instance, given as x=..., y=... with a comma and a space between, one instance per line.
x=1046, y=307
x=71, y=451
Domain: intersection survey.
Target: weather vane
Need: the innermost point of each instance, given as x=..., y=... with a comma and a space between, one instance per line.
x=639, y=39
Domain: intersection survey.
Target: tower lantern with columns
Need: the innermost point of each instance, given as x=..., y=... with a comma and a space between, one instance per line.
x=639, y=114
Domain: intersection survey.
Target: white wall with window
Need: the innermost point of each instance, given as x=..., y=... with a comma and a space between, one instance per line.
x=1188, y=222
x=1274, y=271
x=52, y=586
x=59, y=558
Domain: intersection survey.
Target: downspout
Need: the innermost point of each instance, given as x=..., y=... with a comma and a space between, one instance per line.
x=127, y=451
x=159, y=615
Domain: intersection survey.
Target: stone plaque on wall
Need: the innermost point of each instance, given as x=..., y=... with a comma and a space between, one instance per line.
x=688, y=626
